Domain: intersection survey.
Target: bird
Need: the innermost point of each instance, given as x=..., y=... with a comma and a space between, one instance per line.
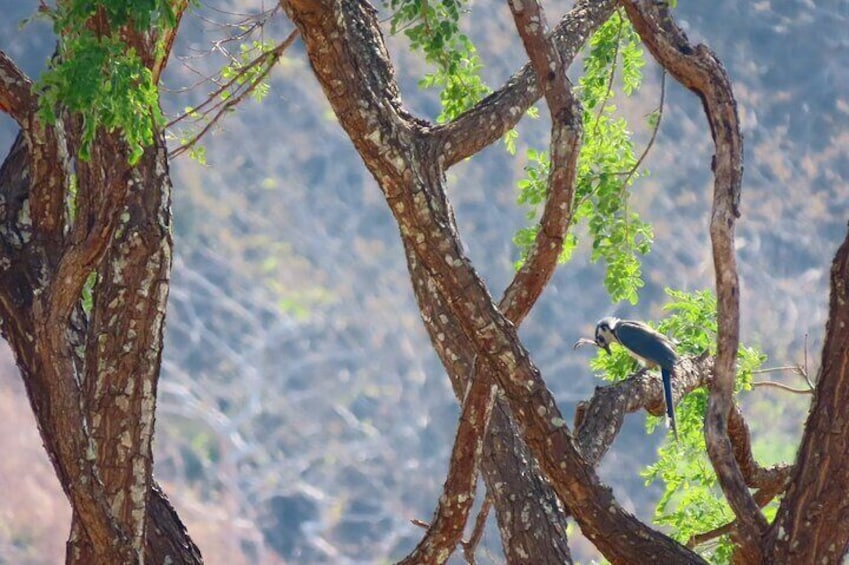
x=646, y=345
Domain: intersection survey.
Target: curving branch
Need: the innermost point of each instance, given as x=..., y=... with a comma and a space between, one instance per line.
x=698, y=69
x=566, y=130
x=599, y=420
x=498, y=113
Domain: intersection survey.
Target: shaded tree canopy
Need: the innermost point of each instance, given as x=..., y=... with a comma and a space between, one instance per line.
x=87, y=254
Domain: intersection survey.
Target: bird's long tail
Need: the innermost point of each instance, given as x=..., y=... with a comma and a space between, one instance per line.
x=667, y=395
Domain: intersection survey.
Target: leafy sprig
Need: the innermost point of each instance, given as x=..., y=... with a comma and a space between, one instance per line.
x=433, y=27
x=606, y=165
x=97, y=75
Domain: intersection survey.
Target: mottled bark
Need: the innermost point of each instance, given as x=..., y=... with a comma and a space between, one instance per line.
x=359, y=85
x=488, y=120
x=458, y=494
x=698, y=69
x=91, y=376
x=530, y=520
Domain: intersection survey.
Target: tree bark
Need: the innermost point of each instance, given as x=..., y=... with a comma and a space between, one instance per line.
x=698, y=69
x=91, y=376
x=398, y=151
x=812, y=523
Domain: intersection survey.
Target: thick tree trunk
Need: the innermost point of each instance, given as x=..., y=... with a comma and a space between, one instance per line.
x=115, y=358
x=812, y=524
x=70, y=226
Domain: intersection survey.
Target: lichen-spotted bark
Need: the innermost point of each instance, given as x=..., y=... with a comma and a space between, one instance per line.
x=530, y=520
x=124, y=340
x=347, y=54
x=24, y=260
x=812, y=523
x=51, y=266
x=458, y=495
x=95, y=414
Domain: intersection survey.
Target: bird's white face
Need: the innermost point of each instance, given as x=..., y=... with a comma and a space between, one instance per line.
x=604, y=335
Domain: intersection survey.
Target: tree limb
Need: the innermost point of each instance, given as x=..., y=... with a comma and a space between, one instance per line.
x=698, y=69
x=16, y=97
x=492, y=117
x=458, y=494
x=412, y=179
x=564, y=147
x=599, y=420
x=812, y=523
x=513, y=479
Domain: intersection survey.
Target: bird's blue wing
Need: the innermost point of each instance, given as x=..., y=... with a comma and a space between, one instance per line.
x=646, y=342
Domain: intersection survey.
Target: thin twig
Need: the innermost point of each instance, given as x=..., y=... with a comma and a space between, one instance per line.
x=653, y=133
x=274, y=56
x=607, y=95
x=798, y=369
x=471, y=545
x=806, y=375
x=630, y=173
x=782, y=386
x=795, y=368
x=259, y=60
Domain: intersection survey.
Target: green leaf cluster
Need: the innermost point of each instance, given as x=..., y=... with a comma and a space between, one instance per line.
x=242, y=72
x=96, y=75
x=606, y=165
x=433, y=27
x=692, y=501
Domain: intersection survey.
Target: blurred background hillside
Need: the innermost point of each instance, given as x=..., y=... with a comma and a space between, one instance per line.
x=303, y=416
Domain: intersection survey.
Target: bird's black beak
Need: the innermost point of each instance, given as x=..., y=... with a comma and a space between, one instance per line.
x=584, y=341
x=607, y=348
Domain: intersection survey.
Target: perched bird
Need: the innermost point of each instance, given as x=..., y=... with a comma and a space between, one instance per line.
x=648, y=346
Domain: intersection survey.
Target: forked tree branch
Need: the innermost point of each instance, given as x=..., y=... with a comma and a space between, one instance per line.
x=408, y=168
x=470, y=546
x=488, y=120
x=698, y=69
x=458, y=493
x=599, y=420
